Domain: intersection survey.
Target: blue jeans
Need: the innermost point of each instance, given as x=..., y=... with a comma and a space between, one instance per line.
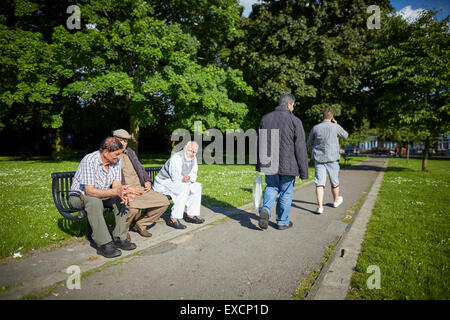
x=283, y=185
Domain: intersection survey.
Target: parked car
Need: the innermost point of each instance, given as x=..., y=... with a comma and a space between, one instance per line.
x=351, y=149
x=380, y=151
x=383, y=151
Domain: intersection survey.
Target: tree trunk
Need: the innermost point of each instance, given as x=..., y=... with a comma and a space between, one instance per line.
x=134, y=132
x=399, y=149
x=407, y=153
x=425, y=154
x=58, y=146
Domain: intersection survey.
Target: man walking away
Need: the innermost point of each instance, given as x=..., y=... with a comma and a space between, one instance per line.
x=282, y=156
x=324, y=142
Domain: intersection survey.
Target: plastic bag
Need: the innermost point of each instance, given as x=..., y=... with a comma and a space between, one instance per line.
x=257, y=190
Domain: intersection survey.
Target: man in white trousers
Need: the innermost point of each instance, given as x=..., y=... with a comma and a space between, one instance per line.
x=177, y=179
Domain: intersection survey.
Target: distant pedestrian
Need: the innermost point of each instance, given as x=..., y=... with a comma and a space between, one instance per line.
x=282, y=156
x=323, y=142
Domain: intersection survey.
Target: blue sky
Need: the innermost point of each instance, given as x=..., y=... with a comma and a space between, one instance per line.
x=414, y=6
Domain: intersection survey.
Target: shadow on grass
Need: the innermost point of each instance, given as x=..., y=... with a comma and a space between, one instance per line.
x=73, y=228
x=78, y=228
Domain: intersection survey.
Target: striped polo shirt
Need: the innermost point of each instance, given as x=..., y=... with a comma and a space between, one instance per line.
x=91, y=171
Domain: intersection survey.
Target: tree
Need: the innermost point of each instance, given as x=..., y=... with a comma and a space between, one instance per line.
x=412, y=74
x=317, y=50
x=127, y=57
x=214, y=23
x=147, y=69
x=28, y=83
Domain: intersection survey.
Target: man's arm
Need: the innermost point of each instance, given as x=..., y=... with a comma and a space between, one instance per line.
x=193, y=173
x=175, y=169
x=342, y=133
x=301, y=153
x=116, y=190
x=309, y=143
x=134, y=159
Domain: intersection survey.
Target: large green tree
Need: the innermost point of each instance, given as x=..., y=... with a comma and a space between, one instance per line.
x=412, y=76
x=29, y=87
x=317, y=50
x=129, y=58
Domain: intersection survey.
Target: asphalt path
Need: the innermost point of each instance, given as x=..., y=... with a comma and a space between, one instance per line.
x=228, y=257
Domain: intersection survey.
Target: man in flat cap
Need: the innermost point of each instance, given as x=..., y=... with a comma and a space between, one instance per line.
x=135, y=176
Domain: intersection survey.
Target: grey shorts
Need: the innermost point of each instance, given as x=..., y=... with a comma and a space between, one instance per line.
x=321, y=169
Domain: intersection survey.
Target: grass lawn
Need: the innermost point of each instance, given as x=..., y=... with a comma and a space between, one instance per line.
x=29, y=219
x=408, y=235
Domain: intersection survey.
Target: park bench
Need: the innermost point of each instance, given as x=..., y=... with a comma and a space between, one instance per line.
x=61, y=182
x=346, y=158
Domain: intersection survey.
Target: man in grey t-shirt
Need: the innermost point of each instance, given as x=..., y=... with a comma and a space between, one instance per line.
x=323, y=142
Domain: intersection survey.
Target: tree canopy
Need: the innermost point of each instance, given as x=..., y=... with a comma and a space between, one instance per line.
x=151, y=66
x=412, y=76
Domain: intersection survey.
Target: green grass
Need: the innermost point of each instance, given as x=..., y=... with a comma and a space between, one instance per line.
x=29, y=219
x=307, y=283
x=408, y=235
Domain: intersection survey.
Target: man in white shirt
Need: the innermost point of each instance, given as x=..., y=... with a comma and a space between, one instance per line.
x=177, y=179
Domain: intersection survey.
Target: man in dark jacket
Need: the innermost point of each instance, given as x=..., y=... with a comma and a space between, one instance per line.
x=135, y=176
x=282, y=156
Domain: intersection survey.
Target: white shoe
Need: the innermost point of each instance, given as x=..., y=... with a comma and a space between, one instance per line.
x=339, y=201
x=319, y=210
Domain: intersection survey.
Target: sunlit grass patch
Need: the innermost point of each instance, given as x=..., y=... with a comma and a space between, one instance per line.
x=408, y=236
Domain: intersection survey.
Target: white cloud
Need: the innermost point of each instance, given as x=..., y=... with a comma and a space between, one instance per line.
x=409, y=14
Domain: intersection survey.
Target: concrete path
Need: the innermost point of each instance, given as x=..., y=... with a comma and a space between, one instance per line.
x=227, y=257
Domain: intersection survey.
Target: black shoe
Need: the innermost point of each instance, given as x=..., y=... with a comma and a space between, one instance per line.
x=195, y=219
x=263, y=219
x=177, y=224
x=285, y=227
x=109, y=250
x=124, y=244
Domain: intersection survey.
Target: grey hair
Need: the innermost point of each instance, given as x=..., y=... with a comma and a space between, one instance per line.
x=111, y=144
x=285, y=99
x=190, y=142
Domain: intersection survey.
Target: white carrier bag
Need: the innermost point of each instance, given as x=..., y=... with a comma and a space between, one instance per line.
x=257, y=190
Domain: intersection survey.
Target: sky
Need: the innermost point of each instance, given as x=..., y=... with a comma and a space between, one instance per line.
x=408, y=8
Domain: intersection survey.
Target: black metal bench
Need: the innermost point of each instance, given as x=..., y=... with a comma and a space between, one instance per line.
x=61, y=182
x=346, y=158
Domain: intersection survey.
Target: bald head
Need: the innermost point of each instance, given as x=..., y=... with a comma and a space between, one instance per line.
x=190, y=149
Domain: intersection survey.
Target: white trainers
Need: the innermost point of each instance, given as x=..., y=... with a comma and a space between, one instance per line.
x=339, y=201
x=319, y=210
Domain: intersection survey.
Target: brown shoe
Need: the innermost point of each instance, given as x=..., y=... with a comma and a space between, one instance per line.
x=143, y=232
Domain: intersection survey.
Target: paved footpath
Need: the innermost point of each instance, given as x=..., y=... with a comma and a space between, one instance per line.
x=227, y=257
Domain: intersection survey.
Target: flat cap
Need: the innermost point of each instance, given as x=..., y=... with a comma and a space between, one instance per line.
x=120, y=133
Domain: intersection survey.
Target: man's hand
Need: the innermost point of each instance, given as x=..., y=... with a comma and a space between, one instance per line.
x=334, y=120
x=147, y=186
x=186, y=178
x=127, y=193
